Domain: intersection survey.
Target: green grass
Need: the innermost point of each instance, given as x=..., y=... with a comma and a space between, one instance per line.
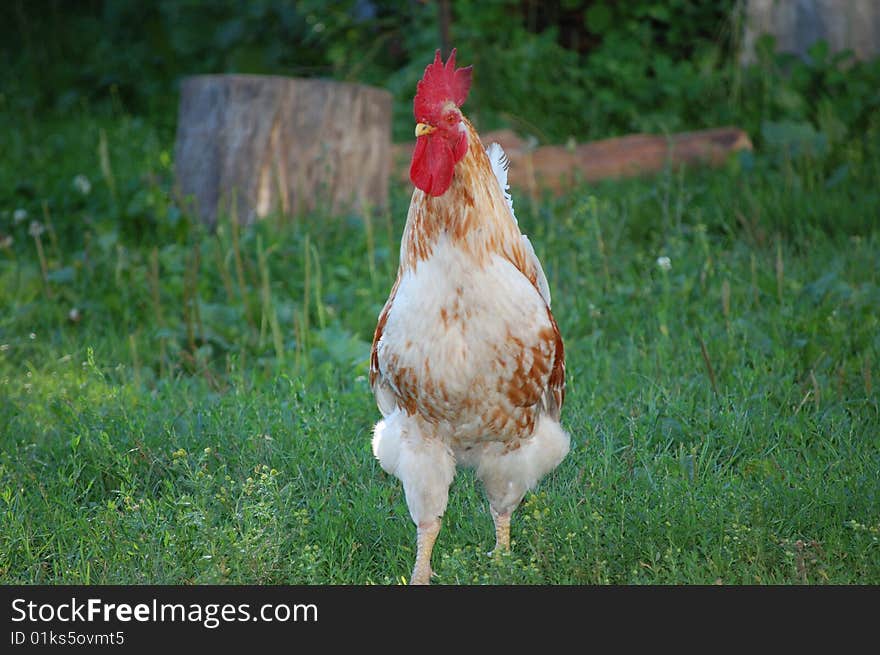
x=207, y=418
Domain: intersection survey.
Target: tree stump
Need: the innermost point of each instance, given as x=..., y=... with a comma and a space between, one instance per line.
x=273, y=143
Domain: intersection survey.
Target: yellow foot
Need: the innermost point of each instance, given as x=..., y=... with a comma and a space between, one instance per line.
x=426, y=536
x=502, y=532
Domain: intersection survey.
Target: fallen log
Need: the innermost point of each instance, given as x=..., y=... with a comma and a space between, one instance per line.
x=558, y=168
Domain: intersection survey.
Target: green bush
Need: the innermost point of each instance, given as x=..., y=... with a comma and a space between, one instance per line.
x=557, y=70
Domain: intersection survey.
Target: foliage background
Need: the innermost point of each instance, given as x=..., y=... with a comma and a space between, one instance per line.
x=558, y=69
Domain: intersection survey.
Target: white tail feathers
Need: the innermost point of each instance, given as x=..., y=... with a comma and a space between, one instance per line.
x=500, y=163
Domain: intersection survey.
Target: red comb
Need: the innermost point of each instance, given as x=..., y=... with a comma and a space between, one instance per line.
x=440, y=84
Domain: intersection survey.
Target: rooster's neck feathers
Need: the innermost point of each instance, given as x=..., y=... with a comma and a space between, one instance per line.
x=475, y=212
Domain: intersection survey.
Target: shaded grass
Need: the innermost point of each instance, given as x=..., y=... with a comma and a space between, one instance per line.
x=205, y=416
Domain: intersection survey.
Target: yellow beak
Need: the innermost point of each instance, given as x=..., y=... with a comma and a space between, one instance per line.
x=423, y=128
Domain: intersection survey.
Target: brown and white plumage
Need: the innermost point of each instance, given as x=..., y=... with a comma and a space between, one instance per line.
x=467, y=364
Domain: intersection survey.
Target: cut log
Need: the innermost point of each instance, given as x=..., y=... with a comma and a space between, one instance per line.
x=635, y=155
x=277, y=144
x=558, y=168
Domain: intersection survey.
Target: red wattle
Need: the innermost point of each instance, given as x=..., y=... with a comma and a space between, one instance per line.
x=434, y=160
x=432, y=165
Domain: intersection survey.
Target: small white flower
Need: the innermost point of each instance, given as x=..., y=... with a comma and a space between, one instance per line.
x=19, y=215
x=81, y=183
x=32, y=336
x=35, y=229
x=74, y=315
x=664, y=263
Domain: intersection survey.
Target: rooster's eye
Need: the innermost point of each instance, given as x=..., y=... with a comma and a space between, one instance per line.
x=452, y=119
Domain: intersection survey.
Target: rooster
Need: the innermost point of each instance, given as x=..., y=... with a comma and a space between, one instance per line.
x=467, y=364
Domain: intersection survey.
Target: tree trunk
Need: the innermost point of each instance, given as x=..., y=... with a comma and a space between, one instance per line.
x=277, y=144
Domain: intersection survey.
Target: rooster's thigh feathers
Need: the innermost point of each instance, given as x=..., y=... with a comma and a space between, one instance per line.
x=508, y=474
x=425, y=465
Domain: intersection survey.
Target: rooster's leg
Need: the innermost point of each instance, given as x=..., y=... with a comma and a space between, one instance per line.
x=502, y=531
x=426, y=536
x=425, y=465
